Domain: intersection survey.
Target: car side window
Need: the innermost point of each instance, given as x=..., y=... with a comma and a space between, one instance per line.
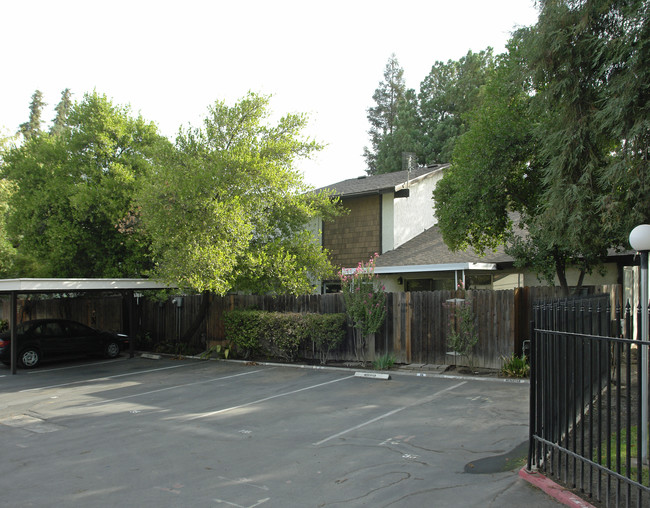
x=48, y=330
x=39, y=330
x=76, y=329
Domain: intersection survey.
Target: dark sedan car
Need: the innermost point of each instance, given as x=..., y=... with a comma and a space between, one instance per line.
x=44, y=339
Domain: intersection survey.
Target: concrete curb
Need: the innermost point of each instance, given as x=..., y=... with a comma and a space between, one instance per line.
x=564, y=496
x=397, y=372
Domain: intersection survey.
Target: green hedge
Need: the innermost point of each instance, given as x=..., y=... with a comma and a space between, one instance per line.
x=281, y=334
x=326, y=331
x=244, y=329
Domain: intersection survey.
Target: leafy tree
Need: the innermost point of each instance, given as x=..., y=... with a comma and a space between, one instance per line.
x=226, y=209
x=72, y=214
x=625, y=116
x=383, y=116
x=572, y=160
x=33, y=126
x=568, y=58
x=447, y=94
x=494, y=171
x=60, y=122
x=427, y=124
x=7, y=251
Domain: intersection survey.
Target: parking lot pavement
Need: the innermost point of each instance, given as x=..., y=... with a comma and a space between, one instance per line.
x=196, y=433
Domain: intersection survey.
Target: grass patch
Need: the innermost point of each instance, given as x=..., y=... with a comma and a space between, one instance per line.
x=633, y=472
x=384, y=362
x=515, y=366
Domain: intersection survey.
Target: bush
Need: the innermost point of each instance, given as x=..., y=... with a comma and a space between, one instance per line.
x=462, y=333
x=326, y=332
x=244, y=330
x=281, y=334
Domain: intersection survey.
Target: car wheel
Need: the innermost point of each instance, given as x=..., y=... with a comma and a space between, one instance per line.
x=112, y=350
x=29, y=357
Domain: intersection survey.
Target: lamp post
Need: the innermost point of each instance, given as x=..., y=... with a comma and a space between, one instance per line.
x=640, y=242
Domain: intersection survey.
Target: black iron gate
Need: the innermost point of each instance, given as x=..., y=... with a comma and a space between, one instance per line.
x=586, y=401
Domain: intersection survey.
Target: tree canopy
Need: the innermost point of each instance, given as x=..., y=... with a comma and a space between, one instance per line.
x=426, y=124
x=33, y=126
x=102, y=194
x=555, y=162
x=226, y=209
x=494, y=167
x=383, y=116
x=73, y=194
x=447, y=94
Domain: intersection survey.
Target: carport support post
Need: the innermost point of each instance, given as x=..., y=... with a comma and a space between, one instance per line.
x=13, y=314
x=131, y=319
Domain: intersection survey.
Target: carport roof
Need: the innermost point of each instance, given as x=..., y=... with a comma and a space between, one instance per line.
x=65, y=285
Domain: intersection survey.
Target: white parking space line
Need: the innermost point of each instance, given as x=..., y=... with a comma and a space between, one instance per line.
x=390, y=413
x=43, y=371
x=219, y=411
x=106, y=378
x=205, y=381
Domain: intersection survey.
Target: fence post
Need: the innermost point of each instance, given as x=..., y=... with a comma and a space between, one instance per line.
x=533, y=396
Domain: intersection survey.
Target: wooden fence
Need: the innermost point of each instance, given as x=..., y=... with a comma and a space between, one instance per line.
x=415, y=330
x=99, y=311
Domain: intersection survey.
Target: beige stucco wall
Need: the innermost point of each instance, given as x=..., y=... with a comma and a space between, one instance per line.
x=595, y=279
x=508, y=279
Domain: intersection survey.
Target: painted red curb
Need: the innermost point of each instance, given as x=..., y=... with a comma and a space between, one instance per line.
x=551, y=488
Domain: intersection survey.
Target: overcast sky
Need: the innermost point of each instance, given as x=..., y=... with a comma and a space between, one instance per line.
x=171, y=60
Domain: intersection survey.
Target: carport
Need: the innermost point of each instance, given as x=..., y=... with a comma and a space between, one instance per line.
x=14, y=287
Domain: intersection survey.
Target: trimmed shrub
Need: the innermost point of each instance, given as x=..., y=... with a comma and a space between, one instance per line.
x=244, y=329
x=281, y=334
x=326, y=331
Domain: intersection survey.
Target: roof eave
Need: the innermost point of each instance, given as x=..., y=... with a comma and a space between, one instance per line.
x=443, y=267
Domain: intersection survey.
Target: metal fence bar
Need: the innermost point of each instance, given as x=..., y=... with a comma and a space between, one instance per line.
x=585, y=400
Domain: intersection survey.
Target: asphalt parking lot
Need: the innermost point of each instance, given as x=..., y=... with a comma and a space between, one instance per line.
x=138, y=432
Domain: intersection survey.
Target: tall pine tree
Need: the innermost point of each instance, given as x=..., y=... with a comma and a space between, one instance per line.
x=449, y=92
x=383, y=116
x=33, y=126
x=60, y=122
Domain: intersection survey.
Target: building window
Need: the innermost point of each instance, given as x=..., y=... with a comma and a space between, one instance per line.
x=418, y=285
x=475, y=281
x=331, y=287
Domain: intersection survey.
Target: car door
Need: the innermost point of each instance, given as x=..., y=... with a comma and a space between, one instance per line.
x=51, y=338
x=82, y=338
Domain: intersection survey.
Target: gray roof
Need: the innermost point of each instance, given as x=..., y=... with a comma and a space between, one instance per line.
x=428, y=249
x=378, y=184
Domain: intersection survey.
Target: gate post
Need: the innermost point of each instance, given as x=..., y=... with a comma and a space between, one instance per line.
x=532, y=397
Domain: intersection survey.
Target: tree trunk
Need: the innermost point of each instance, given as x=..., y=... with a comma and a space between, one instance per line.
x=560, y=270
x=206, y=300
x=581, y=279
